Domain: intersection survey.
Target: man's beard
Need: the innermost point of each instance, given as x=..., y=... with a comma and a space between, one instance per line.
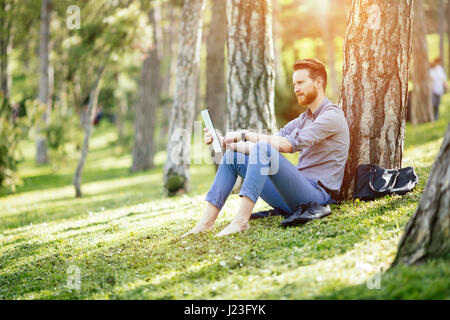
x=308, y=98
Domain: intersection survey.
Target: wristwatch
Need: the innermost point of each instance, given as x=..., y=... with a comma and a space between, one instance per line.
x=243, y=137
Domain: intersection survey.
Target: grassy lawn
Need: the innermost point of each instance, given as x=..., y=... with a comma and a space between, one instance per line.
x=123, y=237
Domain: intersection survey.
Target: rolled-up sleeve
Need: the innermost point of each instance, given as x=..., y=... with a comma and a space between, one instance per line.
x=325, y=125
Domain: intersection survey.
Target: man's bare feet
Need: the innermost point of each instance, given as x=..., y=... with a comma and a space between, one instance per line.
x=199, y=228
x=233, y=227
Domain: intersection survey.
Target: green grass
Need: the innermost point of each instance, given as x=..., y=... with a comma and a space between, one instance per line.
x=123, y=235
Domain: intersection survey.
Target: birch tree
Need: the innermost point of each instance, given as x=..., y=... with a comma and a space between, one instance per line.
x=44, y=82
x=176, y=169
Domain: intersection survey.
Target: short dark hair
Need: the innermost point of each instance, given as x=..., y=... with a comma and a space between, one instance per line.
x=316, y=69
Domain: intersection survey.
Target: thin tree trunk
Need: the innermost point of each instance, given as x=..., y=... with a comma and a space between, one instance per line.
x=93, y=98
x=5, y=47
x=44, y=83
x=448, y=34
x=441, y=22
x=421, y=103
x=251, y=75
x=176, y=170
x=375, y=83
x=122, y=107
x=148, y=102
x=427, y=234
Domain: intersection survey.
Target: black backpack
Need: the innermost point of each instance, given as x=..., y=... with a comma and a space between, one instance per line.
x=372, y=181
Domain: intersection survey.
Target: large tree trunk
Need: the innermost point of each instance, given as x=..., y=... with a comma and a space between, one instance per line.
x=216, y=97
x=251, y=75
x=148, y=102
x=176, y=170
x=93, y=98
x=427, y=234
x=44, y=83
x=251, y=68
x=375, y=83
x=421, y=103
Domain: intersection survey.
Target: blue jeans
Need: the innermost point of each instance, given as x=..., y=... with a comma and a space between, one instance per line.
x=436, y=102
x=267, y=174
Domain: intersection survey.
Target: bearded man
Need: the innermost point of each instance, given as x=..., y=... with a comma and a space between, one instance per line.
x=300, y=193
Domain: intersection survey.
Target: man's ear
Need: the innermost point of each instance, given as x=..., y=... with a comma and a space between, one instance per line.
x=319, y=82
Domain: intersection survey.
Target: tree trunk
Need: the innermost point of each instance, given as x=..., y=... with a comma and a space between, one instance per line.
x=121, y=112
x=93, y=98
x=251, y=68
x=331, y=61
x=421, y=103
x=216, y=97
x=44, y=83
x=5, y=47
x=251, y=75
x=441, y=23
x=149, y=91
x=448, y=34
x=427, y=234
x=375, y=83
x=280, y=76
x=176, y=170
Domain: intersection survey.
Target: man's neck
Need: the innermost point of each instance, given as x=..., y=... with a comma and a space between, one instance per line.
x=316, y=103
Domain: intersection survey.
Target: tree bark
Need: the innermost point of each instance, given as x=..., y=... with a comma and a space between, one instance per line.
x=448, y=34
x=176, y=169
x=427, y=234
x=375, y=83
x=441, y=23
x=44, y=83
x=251, y=75
x=148, y=102
x=93, y=99
x=421, y=103
x=5, y=46
x=216, y=97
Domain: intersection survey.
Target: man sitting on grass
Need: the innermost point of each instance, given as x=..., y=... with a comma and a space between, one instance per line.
x=320, y=135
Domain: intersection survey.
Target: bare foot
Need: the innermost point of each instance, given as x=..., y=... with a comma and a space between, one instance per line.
x=197, y=229
x=233, y=227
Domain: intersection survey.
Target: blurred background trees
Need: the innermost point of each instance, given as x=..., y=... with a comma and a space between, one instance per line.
x=140, y=90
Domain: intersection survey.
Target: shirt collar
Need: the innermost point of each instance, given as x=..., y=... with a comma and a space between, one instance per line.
x=313, y=116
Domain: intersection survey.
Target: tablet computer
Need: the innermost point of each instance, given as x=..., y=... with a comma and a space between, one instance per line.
x=209, y=124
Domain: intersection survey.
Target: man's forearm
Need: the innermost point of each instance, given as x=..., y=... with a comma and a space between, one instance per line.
x=281, y=144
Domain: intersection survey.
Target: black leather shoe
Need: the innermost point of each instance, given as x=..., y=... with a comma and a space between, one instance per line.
x=305, y=213
x=268, y=213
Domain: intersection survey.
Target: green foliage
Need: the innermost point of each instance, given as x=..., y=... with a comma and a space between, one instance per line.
x=13, y=128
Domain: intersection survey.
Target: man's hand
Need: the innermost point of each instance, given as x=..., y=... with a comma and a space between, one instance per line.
x=232, y=136
x=209, y=139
